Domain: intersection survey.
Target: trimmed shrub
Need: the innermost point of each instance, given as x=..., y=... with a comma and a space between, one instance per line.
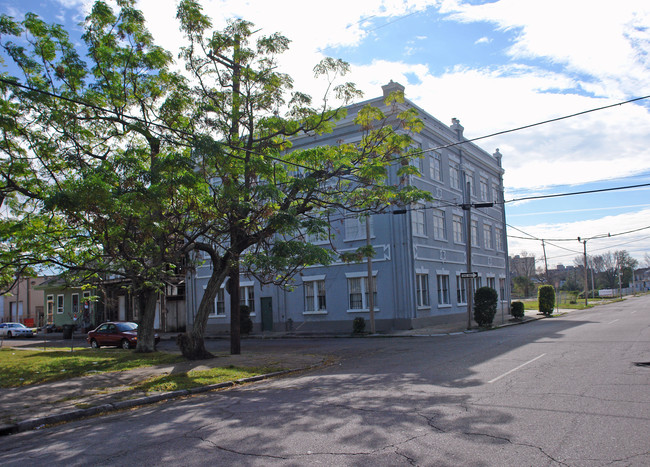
x=546, y=299
x=245, y=321
x=485, y=306
x=517, y=309
x=358, y=325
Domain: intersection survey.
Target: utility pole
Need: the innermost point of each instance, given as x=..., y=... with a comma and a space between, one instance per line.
x=371, y=298
x=467, y=207
x=584, y=244
x=468, y=253
x=545, y=263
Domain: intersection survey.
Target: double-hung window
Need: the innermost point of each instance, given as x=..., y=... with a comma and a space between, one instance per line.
x=418, y=220
x=443, y=289
x=355, y=228
x=247, y=297
x=315, y=300
x=498, y=238
x=475, y=233
x=458, y=228
x=484, y=189
x=487, y=236
x=439, y=230
x=461, y=290
x=435, y=167
x=422, y=289
x=59, y=304
x=358, y=293
x=454, y=175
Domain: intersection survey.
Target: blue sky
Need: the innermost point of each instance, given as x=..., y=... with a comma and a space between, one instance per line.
x=495, y=65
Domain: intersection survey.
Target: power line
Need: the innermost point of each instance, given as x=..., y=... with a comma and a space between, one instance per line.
x=557, y=195
x=544, y=122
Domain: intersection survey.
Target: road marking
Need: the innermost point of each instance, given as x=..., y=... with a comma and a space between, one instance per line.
x=515, y=369
x=612, y=322
x=634, y=312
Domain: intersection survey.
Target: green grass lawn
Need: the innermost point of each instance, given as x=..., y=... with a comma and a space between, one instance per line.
x=197, y=378
x=25, y=367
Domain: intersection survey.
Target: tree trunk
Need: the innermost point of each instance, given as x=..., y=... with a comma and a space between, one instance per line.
x=147, y=302
x=233, y=286
x=192, y=344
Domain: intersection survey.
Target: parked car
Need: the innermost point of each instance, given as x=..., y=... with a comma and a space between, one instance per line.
x=16, y=330
x=122, y=334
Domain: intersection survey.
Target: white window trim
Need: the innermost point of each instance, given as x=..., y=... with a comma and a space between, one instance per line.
x=316, y=278
x=423, y=272
x=57, y=304
x=357, y=275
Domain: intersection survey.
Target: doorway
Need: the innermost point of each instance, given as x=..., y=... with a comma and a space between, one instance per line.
x=266, y=303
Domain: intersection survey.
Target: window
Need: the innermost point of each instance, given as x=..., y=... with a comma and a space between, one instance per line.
x=358, y=293
x=461, y=290
x=502, y=288
x=491, y=283
x=59, y=304
x=75, y=305
x=498, y=238
x=315, y=295
x=475, y=233
x=484, y=189
x=355, y=228
x=418, y=220
x=454, y=175
x=478, y=283
x=487, y=236
x=220, y=302
x=422, y=289
x=50, y=309
x=458, y=228
x=443, y=289
x=495, y=194
x=435, y=167
x=439, y=230
x=247, y=297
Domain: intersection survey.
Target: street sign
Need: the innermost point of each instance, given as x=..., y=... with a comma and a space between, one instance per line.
x=468, y=275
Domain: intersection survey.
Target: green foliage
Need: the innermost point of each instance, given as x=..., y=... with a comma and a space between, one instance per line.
x=485, y=306
x=517, y=309
x=546, y=299
x=245, y=321
x=358, y=325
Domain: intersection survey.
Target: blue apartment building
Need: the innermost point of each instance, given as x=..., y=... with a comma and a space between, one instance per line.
x=420, y=254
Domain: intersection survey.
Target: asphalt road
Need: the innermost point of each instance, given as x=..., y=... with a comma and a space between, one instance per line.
x=561, y=391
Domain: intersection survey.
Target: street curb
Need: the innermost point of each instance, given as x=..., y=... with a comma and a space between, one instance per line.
x=41, y=422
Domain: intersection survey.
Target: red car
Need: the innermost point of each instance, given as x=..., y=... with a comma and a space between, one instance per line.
x=122, y=334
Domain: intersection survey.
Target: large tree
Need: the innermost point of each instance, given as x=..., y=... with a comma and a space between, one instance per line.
x=264, y=196
x=110, y=143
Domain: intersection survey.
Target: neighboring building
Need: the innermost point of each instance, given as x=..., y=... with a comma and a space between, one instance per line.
x=24, y=302
x=522, y=266
x=641, y=282
x=419, y=255
x=109, y=300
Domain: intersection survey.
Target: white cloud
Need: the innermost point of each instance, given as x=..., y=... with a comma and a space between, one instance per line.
x=563, y=252
x=483, y=40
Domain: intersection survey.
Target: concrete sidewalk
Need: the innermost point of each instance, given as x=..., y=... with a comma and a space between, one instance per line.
x=31, y=407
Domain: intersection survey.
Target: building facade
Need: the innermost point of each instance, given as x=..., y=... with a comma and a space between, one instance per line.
x=420, y=252
x=23, y=303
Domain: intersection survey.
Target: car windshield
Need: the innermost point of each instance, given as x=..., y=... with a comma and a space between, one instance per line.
x=18, y=325
x=126, y=326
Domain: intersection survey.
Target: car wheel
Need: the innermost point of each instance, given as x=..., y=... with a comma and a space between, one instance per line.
x=94, y=344
x=125, y=344
x=9, y=335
